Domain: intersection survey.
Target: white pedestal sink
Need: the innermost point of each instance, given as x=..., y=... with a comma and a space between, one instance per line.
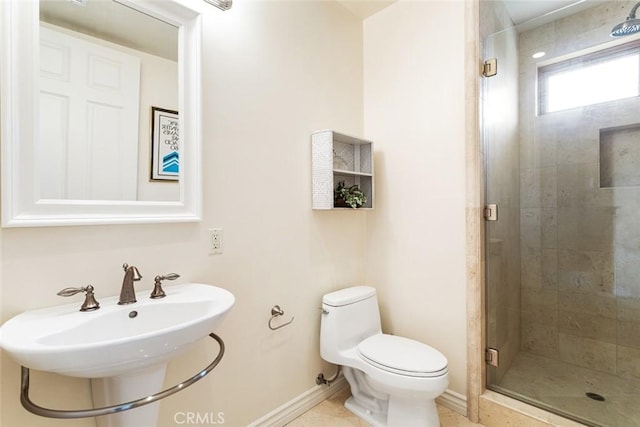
x=124, y=388
x=123, y=348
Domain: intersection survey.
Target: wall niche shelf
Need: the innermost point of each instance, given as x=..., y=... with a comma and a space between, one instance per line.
x=337, y=157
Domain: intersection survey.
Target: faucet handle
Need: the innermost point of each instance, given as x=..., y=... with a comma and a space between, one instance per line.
x=89, y=303
x=67, y=292
x=158, y=292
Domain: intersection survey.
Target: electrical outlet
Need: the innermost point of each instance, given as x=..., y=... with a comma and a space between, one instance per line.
x=215, y=241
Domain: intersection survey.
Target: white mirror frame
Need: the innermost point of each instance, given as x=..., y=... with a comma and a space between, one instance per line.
x=21, y=203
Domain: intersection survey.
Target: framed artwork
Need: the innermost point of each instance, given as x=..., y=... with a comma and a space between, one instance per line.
x=165, y=137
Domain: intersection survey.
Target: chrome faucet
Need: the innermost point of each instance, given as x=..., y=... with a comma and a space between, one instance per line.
x=158, y=292
x=127, y=293
x=89, y=303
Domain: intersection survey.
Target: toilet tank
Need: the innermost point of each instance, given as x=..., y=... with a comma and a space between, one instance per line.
x=348, y=317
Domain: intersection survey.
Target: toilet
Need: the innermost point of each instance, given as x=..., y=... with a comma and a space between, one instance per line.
x=394, y=380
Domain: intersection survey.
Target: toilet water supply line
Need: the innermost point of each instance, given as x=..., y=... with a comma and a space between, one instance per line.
x=320, y=379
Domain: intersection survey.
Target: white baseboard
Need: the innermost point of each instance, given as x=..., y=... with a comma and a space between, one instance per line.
x=299, y=405
x=454, y=401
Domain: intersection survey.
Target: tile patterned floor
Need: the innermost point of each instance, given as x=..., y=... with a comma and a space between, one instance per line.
x=562, y=385
x=332, y=413
x=549, y=381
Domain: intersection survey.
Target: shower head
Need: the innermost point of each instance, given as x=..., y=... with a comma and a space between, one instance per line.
x=628, y=27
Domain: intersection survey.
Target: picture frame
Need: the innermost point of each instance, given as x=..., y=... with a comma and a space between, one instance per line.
x=165, y=145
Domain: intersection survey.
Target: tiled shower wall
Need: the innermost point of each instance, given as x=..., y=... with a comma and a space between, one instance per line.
x=579, y=211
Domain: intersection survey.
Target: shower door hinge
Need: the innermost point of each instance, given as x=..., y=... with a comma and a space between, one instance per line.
x=490, y=67
x=491, y=356
x=491, y=212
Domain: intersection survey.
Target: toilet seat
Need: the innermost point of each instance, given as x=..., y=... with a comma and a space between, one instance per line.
x=402, y=356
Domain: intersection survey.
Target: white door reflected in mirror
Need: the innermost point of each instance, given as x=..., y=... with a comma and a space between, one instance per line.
x=103, y=68
x=77, y=140
x=89, y=101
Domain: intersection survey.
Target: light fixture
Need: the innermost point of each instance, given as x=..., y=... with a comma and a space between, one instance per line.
x=221, y=4
x=538, y=55
x=630, y=26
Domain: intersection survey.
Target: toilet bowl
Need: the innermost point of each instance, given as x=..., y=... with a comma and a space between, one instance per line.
x=394, y=380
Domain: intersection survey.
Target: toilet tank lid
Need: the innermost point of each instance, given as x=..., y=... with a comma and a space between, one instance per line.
x=348, y=296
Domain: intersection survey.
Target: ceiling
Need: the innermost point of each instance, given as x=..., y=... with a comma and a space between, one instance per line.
x=365, y=8
x=523, y=12
x=520, y=11
x=114, y=22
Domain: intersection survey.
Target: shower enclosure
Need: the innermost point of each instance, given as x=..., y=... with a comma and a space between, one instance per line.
x=561, y=134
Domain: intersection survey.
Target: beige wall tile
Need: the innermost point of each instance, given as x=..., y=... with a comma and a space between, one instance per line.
x=549, y=279
x=587, y=325
x=629, y=333
x=588, y=353
x=539, y=299
x=596, y=304
x=576, y=143
x=628, y=309
x=627, y=235
x=539, y=321
x=620, y=157
x=531, y=267
x=549, y=227
x=628, y=362
x=539, y=338
x=530, y=230
x=579, y=186
x=580, y=228
x=586, y=271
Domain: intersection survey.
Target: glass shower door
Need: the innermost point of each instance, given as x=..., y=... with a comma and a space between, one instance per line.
x=563, y=258
x=500, y=133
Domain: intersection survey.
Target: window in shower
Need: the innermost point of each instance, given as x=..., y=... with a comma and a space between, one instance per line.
x=602, y=76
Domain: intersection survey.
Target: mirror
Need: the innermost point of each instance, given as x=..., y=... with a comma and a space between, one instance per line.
x=105, y=69
x=117, y=141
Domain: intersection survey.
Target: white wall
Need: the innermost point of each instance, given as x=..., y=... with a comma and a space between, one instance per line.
x=415, y=113
x=273, y=72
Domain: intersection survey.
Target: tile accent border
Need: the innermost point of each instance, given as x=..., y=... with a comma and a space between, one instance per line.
x=474, y=165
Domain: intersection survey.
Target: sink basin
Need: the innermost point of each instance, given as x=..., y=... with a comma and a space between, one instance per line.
x=115, y=339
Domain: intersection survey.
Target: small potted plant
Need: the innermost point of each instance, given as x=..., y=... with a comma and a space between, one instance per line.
x=344, y=196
